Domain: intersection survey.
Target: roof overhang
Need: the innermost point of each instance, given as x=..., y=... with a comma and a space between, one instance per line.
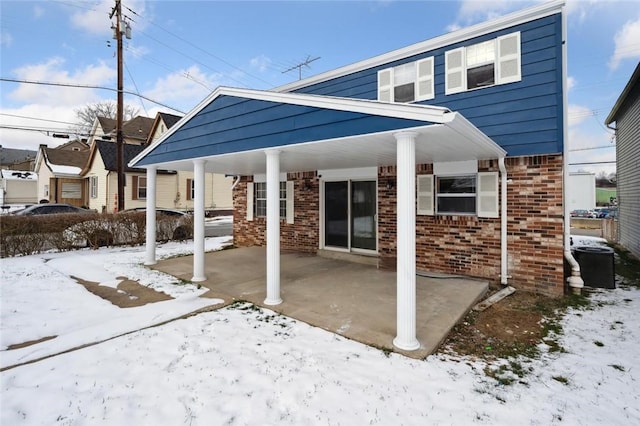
x=613, y=115
x=444, y=136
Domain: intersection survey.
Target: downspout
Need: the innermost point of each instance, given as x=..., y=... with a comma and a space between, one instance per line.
x=236, y=182
x=575, y=280
x=503, y=222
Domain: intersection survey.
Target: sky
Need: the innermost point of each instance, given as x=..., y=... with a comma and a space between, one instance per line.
x=182, y=50
x=246, y=365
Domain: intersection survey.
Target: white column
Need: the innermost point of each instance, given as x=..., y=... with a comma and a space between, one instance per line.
x=150, y=258
x=273, y=228
x=198, y=221
x=406, y=241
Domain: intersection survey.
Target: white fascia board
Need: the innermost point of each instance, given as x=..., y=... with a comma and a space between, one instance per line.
x=462, y=126
x=419, y=112
x=516, y=18
x=427, y=113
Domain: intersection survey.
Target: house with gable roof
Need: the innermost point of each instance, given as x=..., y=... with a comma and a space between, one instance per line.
x=58, y=170
x=446, y=156
x=100, y=171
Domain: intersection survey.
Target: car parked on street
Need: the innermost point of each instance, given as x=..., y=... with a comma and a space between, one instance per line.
x=53, y=208
x=583, y=213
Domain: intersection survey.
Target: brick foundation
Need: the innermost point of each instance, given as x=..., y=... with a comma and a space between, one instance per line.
x=464, y=245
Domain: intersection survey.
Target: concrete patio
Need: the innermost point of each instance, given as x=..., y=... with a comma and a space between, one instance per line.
x=355, y=300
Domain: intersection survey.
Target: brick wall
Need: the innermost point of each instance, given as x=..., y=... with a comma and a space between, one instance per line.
x=302, y=235
x=464, y=245
x=468, y=245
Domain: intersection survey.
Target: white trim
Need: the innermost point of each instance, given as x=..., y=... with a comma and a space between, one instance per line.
x=249, y=201
x=289, y=201
x=262, y=177
x=349, y=174
x=507, y=21
x=487, y=194
x=427, y=78
x=453, y=168
x=424, y=195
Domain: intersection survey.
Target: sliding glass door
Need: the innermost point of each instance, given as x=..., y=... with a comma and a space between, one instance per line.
x=350, y=209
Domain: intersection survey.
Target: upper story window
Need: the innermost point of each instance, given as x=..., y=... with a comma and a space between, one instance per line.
x=408, y=82
x=492, y=62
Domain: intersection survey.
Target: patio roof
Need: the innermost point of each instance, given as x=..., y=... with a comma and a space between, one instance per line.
x=362, y=137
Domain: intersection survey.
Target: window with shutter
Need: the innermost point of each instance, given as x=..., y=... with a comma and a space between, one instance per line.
x=425, y=194
x=250, y=201
x=509, y=60
x=485, y=64
x=488, y=194
x=424, y=79
x=189, y=190
x=454, y=71
x=134, y=187
x=385, y=77
x=289, y=198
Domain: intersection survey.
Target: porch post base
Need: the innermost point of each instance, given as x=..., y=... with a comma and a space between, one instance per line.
x=406, y=345
x=272, y=302
x=198, y=279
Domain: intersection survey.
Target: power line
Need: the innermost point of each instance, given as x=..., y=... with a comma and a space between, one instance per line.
x=87, y=86
x=593, y=147
x=35, y=118
x=200, y=49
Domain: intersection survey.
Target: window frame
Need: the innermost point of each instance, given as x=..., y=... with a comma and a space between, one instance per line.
x=423, y=81
x=459, y=195
x=457, y=75
x=93, y=186
x=260, y=203
x=136, y=187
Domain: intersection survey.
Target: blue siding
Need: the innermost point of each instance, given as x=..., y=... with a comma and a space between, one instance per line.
x=230, y=124
x=511, y=114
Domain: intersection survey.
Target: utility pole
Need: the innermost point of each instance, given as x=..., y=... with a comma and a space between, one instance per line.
x=120, y=28
x=304, y=63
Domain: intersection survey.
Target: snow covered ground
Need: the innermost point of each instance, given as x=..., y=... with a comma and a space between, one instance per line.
x=240, y=365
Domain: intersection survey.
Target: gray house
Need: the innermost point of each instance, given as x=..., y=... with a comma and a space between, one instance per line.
x=626, y=115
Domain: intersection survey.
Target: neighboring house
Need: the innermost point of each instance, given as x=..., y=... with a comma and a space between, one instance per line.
x=101, y=175
x=626, y=115
x=582, y=191
x=218, y=198
x=58, y=170
x=446, y=156
x=134, y=131
x=17, y=159
x=18, y=187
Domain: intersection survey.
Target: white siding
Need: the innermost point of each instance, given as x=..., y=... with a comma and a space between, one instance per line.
x=101, y=202
x=628, y=173
x=44, y=178
x=582, y=191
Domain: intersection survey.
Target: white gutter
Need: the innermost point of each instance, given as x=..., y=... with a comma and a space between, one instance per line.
x=575, y=280
x=503, y=223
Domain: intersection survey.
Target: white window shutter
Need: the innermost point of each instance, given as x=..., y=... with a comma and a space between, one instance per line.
x=385, y=85
x=455, y=74
x=509, y=63
x=488, y=194
x=424, y=79
x=425, y=194
x=289, y=201
x=249, y=201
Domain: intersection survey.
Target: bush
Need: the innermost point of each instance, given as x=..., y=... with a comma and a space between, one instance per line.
x=24, y=235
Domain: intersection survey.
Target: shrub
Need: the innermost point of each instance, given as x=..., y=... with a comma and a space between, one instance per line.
x=24, y=235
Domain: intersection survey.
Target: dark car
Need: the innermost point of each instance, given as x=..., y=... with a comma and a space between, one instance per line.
x=39, y=209
x=181, y=223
